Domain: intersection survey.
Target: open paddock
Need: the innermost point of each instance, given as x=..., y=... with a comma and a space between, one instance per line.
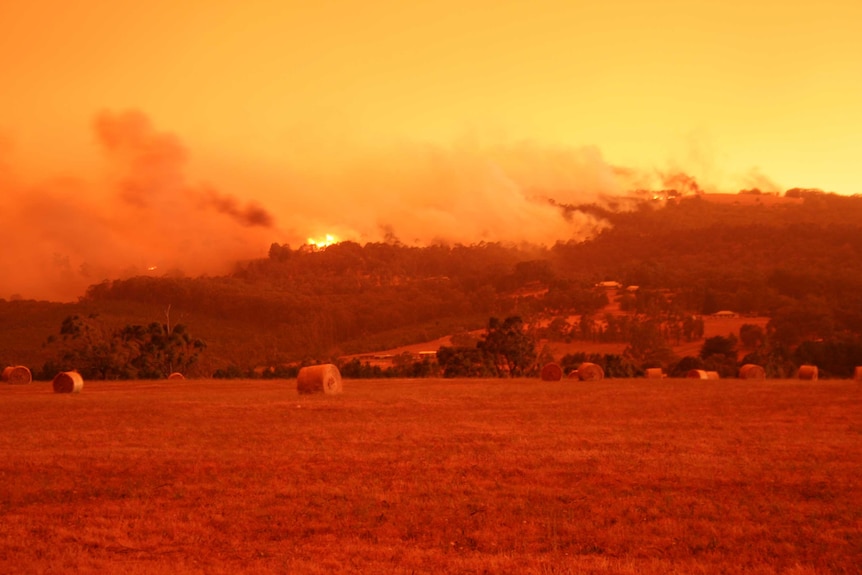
x=433, y=476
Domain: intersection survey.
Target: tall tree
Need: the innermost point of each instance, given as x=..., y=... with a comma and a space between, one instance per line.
x=510, y=349
x=131, y=352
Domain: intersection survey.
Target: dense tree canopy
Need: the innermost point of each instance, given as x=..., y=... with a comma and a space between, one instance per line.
x=511, y=350
x=797, y=262
x=132, y=352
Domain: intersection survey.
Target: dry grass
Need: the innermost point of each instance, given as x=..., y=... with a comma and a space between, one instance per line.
x=432, y=476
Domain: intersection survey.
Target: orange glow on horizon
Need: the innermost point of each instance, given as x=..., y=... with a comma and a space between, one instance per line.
x=200, y=132
x=327, y=240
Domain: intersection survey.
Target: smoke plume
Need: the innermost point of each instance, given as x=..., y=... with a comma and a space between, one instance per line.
x=142, y=216
x=150, y=170
x=421, y=193
x=757, y=180
x=145, y=214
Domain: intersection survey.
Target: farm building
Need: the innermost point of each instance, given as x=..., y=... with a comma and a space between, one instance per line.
x=725, y=314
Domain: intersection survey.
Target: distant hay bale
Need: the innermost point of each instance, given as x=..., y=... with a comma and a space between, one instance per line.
x=176, y=375
x=590, y=372
x=858, y=373
x=68, y=382
x=654, y=373
x=323, y=378
x=552, y=372
x=808, y=372
x=697, y=374
x=712, y=375
x=17, y=374
x=573, y=374
x=752, y=371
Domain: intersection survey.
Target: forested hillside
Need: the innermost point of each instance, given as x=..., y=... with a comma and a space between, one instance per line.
x=798, y=262
x=752, y=259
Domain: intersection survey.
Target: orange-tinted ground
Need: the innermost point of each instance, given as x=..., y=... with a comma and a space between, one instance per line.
x=433, y=476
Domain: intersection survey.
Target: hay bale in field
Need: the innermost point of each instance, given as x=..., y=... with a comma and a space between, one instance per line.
x=808, y=372
x=712, y=375
x=697, y=374
x=655, y=373
x=573, y=374
x=17, y=374
x=176, y=375
x=590, y=372
x=68, y=382
x=752, y=371
x=857, y=375
x=552, y=372
x=323, y=378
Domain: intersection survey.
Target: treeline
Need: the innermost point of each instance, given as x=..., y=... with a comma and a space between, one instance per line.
x=755, y=260
x=94, y=349
x=349, y=298
x=800, y=264
x=509, y=349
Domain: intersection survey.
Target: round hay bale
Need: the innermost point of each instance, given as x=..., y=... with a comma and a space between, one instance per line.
x=68, y=382
x=857, y=375
x=552, y=372
x=654, y=373
x=752, y=371
x=590, y=372
x=573, y=374
x=808, y=372
x=17, y=374
x=697, y=374
x=176, y=375
x=323, y=378
x=712, y=375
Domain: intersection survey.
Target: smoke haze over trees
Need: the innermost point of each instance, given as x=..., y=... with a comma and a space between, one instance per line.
x=141, y=214
x=145, y=207
x=796, y=263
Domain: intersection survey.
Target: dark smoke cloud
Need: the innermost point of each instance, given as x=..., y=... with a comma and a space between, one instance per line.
x=250, y=215
x=142, y=216
x=146, y=215
x=152, y=169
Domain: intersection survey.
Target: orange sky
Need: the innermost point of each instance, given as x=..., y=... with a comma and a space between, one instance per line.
x=431, y=120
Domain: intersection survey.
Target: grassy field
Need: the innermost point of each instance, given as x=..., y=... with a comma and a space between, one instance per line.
x=433, y=476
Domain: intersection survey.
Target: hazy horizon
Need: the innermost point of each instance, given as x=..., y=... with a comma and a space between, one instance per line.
x=142, y=211
x=188, y=135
